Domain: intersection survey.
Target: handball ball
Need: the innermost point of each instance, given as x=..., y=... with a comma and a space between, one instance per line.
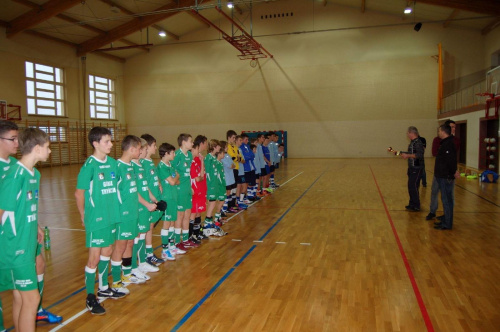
x=491, y=166
x=487, y=148
x=486, y=140
x=493, y=148
x=492, y=140
x=492, y=156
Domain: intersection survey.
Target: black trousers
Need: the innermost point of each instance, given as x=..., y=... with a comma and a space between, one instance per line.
x=414, y=177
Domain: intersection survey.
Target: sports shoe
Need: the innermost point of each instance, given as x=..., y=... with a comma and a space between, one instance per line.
x=155, y=261
x=223, y=214
x=146, y=267
x=218, y=224
x=202, y=236
x=246, y=201
x=182, y=247
x=233, y=210
x=119, y=288
x=275, y=186
x=242, y=206
x=190, y=244
x=219, y=232
x=177, y=251
x=140, y=275
x=269, y=190
x=167, y=255
x=131, y=279
x=265, y=193
x=109, y=294
x=194, y=238
x=46, y=316
x=430, y=216
x=94, y=306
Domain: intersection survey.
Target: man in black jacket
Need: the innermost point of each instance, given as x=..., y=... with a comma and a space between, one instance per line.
x=415, y=156
x=445, y=171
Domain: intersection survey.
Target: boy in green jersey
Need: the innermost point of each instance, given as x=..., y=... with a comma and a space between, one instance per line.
x=97, y=201
x=182, y=164
x=20, y=233
x=8, y=146
x=155, y=189
x=143, y=223
x=212, y=179
x=170, y=181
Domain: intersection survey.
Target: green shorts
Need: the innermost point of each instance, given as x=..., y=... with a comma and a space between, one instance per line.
x=22, y=278
x=144, y=220
x=155, y=216
x=101, y=238
x=184, y=199
x=126, y=230
x=38, y=249
x=171, y=211
x=212, y=193
x=221, y=193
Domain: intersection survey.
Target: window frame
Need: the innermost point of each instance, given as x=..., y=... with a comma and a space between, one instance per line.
x=36, y=87
x=93, y=97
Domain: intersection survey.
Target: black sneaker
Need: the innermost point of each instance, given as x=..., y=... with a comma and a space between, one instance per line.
x=194, y=239
x=94, y=306
x=223, y=214
x=430, y=216
x=109, y=294
x=440, y=217
x=155, y=261
x=202, y=236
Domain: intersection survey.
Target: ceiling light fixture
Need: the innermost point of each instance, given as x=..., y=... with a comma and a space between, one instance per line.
x=162, y=33
x=409, y=9
x=230, y=5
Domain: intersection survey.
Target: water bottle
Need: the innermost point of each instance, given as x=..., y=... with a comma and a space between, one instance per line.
x=46, y=238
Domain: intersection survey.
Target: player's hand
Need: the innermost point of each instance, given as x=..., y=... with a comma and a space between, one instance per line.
x=40, y=235
x=457, y=174
x=405, y=155
x=151, y=207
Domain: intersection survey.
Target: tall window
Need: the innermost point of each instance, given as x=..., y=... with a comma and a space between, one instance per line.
x=102, y=97
x=45, y=89
x=56, y=134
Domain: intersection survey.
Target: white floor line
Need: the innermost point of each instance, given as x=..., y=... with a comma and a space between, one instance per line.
x=305, y=244
x=258, y=241
x=280, y=242
x=290, y=179
x=236, y=240
x=56, y=199
x=68, y=229
x=67, y=321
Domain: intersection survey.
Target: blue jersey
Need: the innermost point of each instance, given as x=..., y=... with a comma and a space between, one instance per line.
x=249, y=157
x=227, y=161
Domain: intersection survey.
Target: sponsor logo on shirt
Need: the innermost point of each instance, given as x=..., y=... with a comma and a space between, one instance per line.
x=140, y=176
x=101, y=176
x=29, y=196
x=113, y=175
x=128, y=176
x=36, y=194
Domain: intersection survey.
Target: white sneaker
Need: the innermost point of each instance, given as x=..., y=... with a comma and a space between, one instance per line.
x=145, y=268
x=177, y=251
x=131, y=279
x=246, y=201
x=166, y=254
x=139, y=274
x=119, y=287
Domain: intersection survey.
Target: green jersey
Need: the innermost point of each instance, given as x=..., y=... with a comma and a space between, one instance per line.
x=164, y=172
x=127, y=192
x=152, y=177
x=5, y=165
x=221, y=178
x=142, y=183
x=182, y=164
x=98, y=179
x=211, y=170
x=19, y=200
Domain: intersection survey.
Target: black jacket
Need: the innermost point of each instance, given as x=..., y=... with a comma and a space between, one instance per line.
x=446, y=159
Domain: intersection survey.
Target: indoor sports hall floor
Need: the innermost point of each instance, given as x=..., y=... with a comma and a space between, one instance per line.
x=332, y=250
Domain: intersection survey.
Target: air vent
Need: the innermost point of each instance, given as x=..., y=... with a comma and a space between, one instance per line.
x=273, y=16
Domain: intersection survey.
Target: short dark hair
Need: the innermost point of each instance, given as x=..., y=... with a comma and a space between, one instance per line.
x=150, y=139
x=31, y=137
x=213, y=144
x=271, y=133
x=182, y=138
x=165, y=148
x=238, y=136
x=243, y=135
x=449, y=122
x=446, y=128
x=260, y=135
x=230, y=133
x=223, y=145
x=129, y=141
x=281, y=144
x=96, y=134
x=199, y=140
x=6, y=126
x=253, y=146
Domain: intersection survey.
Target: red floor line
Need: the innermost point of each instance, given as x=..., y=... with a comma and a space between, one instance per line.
x=420, y=301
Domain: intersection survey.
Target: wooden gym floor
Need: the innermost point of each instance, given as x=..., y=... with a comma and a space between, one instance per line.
x=332, y=250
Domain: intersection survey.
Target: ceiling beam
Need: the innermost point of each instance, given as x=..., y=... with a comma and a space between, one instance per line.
x=80, y=24
x=453, y=14
x=493, y=25
x=363, y=6
x=38, y=15
x=487, y=7
x=68, y=43
x=129, y=12
x=131, y=27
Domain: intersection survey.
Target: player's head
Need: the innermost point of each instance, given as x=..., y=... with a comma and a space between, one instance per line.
x=253, y=147
x=245, y=138
x=219, y=155
x=166, y=149
x=130, y=142
x=444, y=131
x=100, y=139
x=34, y=140
x=230, y=136
x=9, y=138
x=412, y=132
x=151, y=144
x=144, y=148
x=452, y=125
x=238, y=140
x=260, y=138
x=213, y=145
x=185, y=141
x=223, y=146
x=200, y=142
x=266, y=139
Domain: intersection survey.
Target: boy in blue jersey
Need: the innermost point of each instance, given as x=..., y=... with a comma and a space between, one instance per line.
x=20, y=233
x=97, y=201
x=267, y=161
x=274, y=158
x=249, y=168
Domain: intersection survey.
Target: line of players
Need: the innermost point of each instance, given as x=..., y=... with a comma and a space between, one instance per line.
x=120, y=202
